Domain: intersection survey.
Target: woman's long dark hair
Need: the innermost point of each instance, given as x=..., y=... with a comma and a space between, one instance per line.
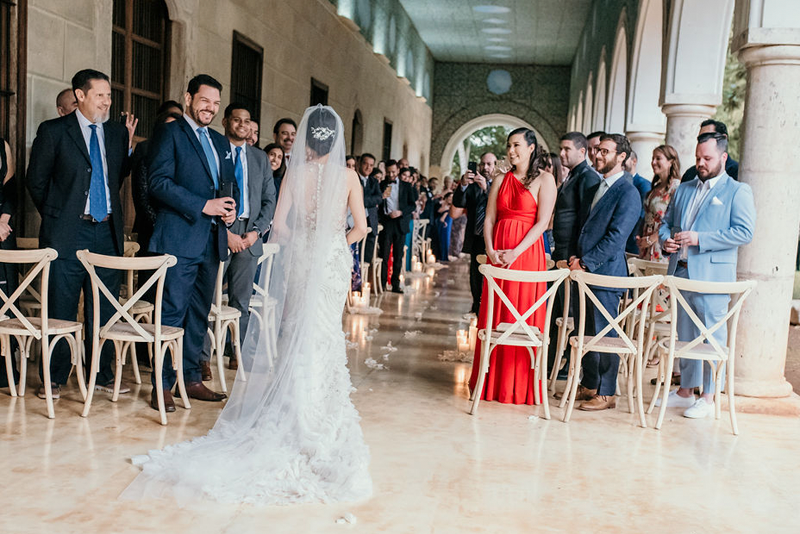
x=282, y=169
x=538, y=157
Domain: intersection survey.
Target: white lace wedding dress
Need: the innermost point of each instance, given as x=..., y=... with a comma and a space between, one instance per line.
x=289, y=433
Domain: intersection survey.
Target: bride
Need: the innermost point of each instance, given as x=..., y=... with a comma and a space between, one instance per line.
x=289, y=432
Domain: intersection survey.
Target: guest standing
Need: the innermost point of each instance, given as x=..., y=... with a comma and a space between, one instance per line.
x=517, y=214
x=372, y=199
x=613, y=213
x=8, y=197
x=192, y=178
x=277, y=162
x=77, y=166
x=666, y=179
x=395, y=214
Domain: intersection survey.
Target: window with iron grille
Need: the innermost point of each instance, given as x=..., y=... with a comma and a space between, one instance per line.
x=139, y=60
x=387, y=140
x=246, y=70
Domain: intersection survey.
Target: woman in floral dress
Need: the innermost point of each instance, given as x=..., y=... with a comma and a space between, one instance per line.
x=666, y=179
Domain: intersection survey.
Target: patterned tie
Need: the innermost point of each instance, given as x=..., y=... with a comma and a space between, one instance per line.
x=98, y=207
x=212, y=162
x=238, y=171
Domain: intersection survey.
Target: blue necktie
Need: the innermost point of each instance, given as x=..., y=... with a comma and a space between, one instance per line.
x=212, y=162
x=238, y=171
x=98, y=207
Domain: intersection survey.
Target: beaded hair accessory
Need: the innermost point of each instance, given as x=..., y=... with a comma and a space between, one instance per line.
x=322, y=133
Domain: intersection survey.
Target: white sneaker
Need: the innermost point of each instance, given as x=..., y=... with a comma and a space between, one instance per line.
x=700, y=409
x=676, y=401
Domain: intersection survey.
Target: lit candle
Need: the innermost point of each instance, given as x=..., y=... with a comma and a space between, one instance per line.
x=463, y=341
x=356, y=299
x=365, y=294
x=473, y=333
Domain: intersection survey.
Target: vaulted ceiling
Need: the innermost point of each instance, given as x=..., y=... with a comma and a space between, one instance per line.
x=544, y=32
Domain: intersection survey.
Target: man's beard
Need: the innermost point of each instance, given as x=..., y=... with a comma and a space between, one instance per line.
x=609, y=166
x=710, y=174
x=100, y=118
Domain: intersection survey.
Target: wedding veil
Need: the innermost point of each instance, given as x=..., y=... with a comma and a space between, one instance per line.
x=275, y=432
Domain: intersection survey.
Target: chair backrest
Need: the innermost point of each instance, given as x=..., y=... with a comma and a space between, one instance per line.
x=265, y=261
x=640, y=267
x=375, y=245
x=362, y=245
x=641, y=286
x=158, y=264
x=131, y=248
x=28, y=243
x=493, y=274
x=40, y=258
x=738, y=292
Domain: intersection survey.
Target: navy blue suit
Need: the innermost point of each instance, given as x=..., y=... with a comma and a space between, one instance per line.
x=601, y=246
x=181, y=183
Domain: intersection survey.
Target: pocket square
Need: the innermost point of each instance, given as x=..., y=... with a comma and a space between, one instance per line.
x=716, y=202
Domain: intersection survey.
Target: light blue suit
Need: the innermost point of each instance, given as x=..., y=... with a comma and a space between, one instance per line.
x=725, y=220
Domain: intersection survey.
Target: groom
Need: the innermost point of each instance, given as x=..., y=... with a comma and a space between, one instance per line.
x=192, y=179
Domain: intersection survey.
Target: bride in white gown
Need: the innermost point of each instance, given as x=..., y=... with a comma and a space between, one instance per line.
x=289, y=432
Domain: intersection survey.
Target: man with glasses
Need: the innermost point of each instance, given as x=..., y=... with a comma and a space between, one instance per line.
x=609, y=221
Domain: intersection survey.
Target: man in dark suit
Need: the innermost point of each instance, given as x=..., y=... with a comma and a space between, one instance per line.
x=472, y=198
x=731, y=165
x=192, y=179
x=607, y=224
x=372, y=199
x=77, y=166
x=255, y=208
x=395, y=215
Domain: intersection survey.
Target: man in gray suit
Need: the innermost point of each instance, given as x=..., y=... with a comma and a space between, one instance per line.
x=256, y=206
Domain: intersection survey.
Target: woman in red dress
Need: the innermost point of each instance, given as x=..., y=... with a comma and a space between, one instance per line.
x=517, y=214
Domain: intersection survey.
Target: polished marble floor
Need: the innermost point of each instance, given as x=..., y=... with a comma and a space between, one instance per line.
x=436, y=469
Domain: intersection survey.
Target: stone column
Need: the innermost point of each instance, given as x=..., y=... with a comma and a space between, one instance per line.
x=683, y=125
x=643, y=144
x=771, y=127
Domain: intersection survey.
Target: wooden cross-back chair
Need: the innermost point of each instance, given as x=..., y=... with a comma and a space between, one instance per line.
x=25, y=329
x=223, y=318
x=141, y=310
x=519, y=333
x=123, y=329
x=706, y=347
x=377, y=263
x=262, y=307
x=628, y=347
x=362, y=245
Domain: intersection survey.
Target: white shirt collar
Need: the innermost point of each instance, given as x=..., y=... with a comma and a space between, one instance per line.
x=84, y=122
x=613, y=178
x=234, y=147
x=191, y=122
x=711, y=181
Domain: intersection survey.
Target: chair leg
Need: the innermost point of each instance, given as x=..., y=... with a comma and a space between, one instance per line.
x=24, y=360
x=639, y=364
x=570, y=378
x=237, y=345
x=95, y=365
x=541, y=384
x=575, y=361
x=5, y=341
x=177, y=360
x=536, y=378
x=665, y=393
x=221, y=356
x=77, y=355
x=48, y=387
x=731, y=401
x=659, y=381
x=134, y=358
x=631, y=369
x=158, y=369
x=484, y=366
x=119, y=354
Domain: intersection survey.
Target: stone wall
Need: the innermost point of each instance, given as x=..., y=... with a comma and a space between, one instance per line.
x=301, y=39
x=538, y=95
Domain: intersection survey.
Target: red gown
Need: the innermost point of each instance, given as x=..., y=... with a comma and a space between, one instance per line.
x=510, y=378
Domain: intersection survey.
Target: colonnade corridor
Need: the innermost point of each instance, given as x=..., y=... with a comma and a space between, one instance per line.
x=435, y=468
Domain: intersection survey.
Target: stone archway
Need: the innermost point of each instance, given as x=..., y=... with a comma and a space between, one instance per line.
x=467, y=129
x=618, y=86
x=599, y=117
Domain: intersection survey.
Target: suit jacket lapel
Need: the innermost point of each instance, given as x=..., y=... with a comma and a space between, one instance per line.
x=74, y=130
x=187, y=129
x=706, y=201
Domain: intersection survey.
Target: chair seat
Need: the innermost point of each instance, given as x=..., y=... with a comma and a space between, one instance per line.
x=607, y=344
x=570, y=322
x=227, y=313
x=518, y=339
x=54, y=326
x=125, y=332
x=139, y=307
x=703, y=351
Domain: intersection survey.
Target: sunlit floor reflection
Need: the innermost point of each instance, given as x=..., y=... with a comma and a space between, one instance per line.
x=435, y=468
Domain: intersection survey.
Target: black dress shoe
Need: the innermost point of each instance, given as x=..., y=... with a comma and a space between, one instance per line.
x=197, y=390
x=233, y=364
x=397, y=289
x=205, y=371
x=169, y=402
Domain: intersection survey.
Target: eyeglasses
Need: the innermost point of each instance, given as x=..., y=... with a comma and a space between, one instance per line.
x=605, y=152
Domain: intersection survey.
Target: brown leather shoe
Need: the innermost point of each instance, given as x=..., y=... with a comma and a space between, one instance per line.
x=583, y=394
x=197, y=390
x=169, y=402
x=205, y=371
x=599, y=402
x=233, y=364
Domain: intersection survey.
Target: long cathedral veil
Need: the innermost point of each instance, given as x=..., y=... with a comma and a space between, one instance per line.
x=285, y=435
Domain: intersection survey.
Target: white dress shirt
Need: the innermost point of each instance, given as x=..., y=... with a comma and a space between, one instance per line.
x=245, y=195
x=393, y=200
x=101, y=139
x=700, y=194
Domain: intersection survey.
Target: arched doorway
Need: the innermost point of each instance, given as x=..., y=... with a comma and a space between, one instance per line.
x=456, y=142
x=357, y=134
